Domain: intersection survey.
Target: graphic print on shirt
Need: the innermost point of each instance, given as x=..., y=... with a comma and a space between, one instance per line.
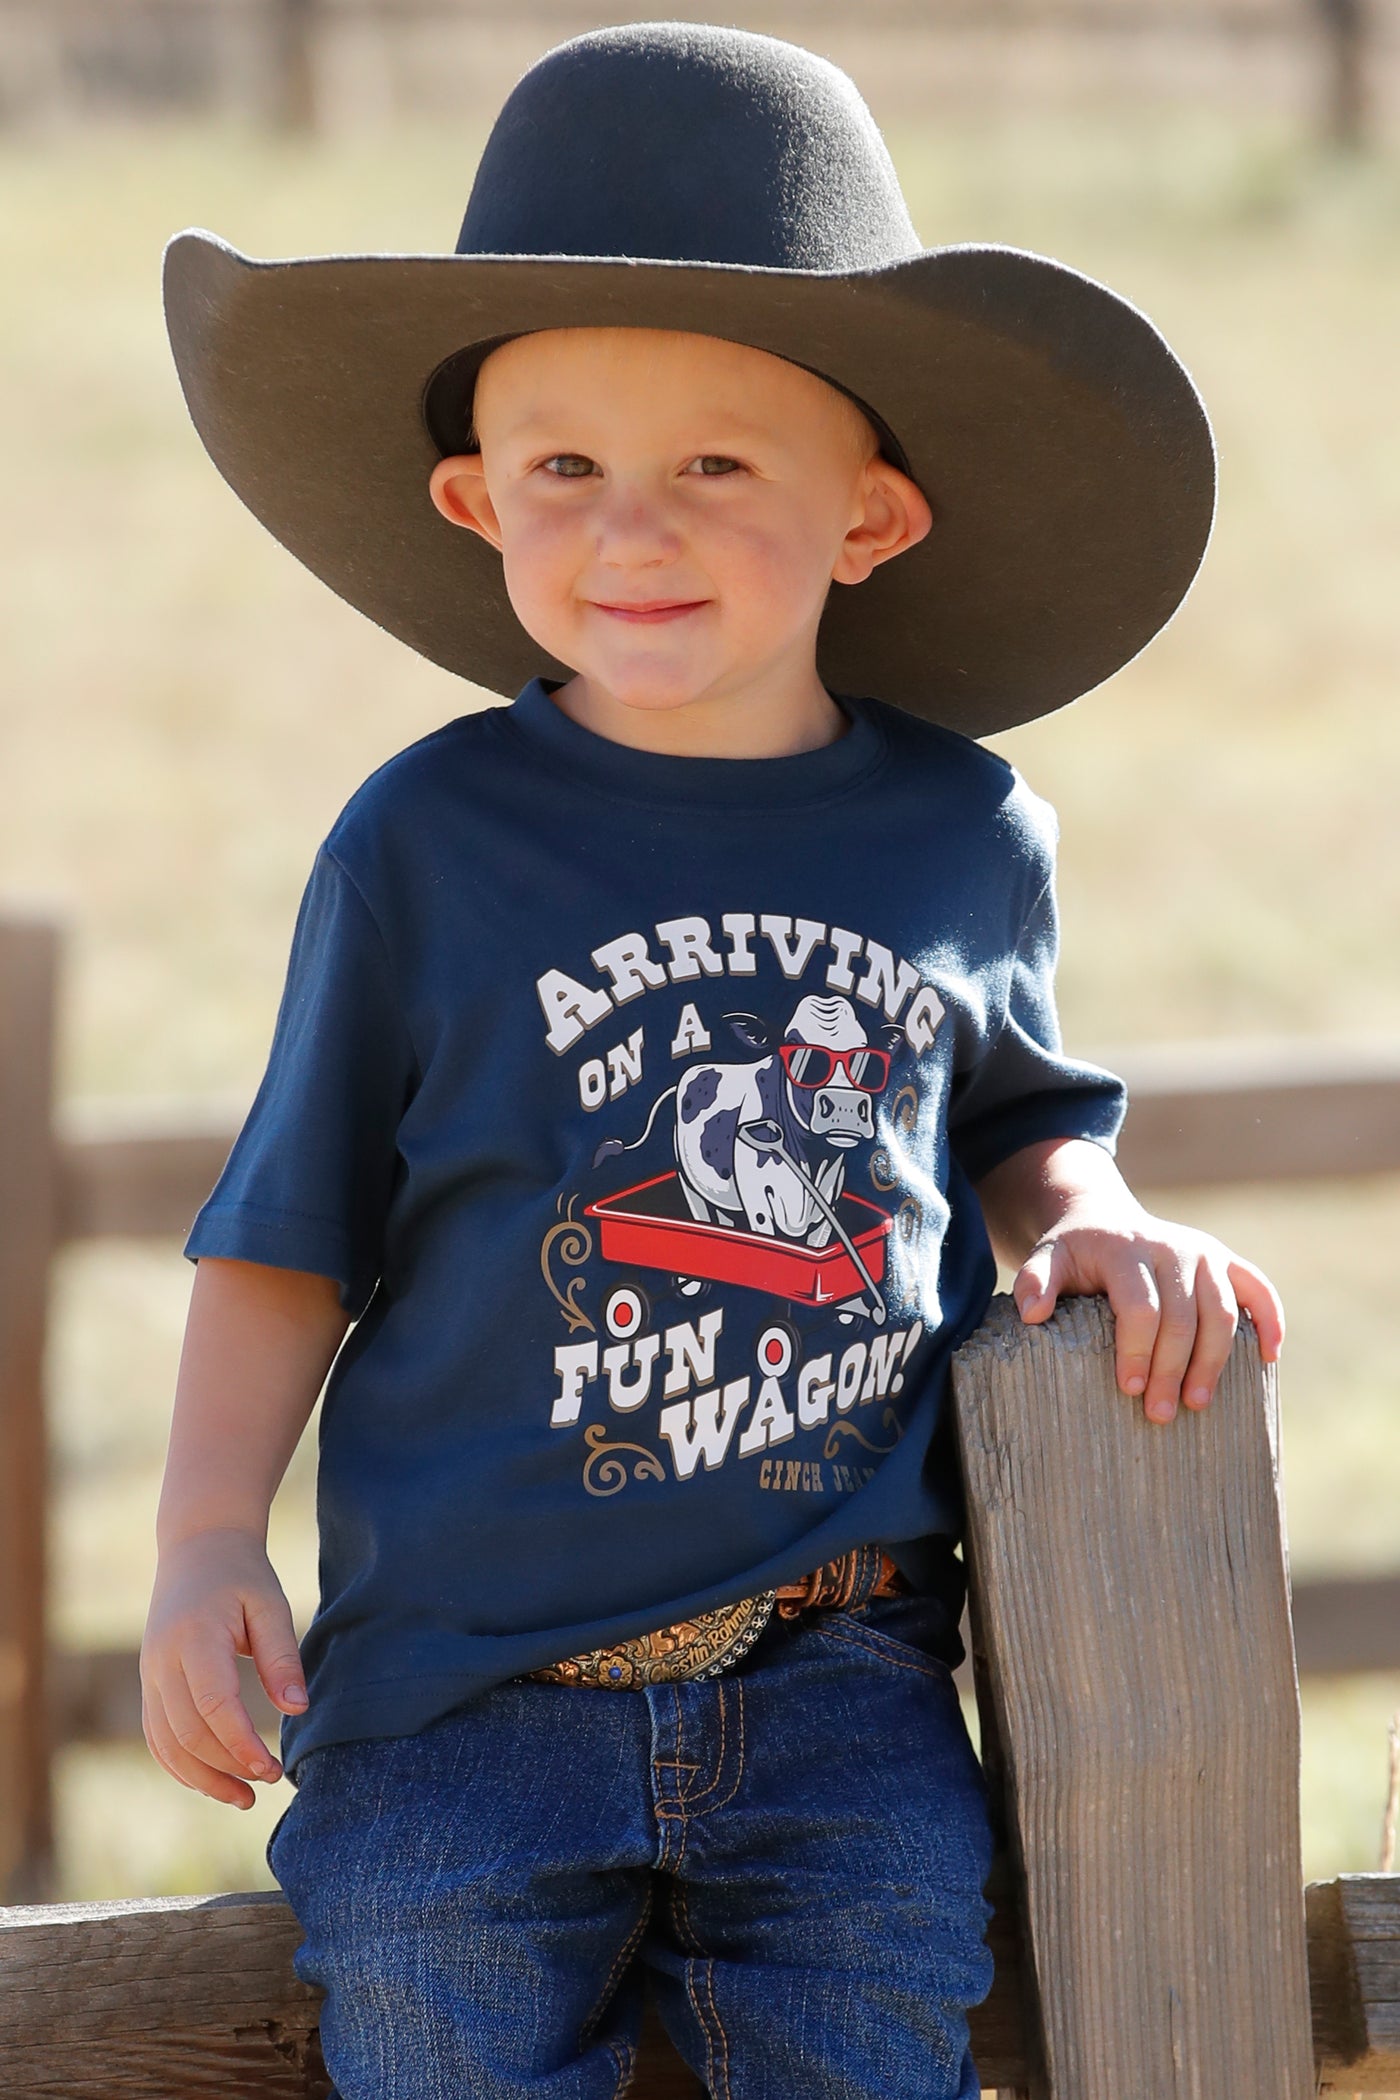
x=777, y=1167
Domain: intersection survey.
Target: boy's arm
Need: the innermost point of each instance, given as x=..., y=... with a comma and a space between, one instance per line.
x=258, y=1343
x=1061, y=1214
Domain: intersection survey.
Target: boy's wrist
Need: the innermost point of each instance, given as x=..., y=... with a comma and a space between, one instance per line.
x=1036, y=1190
x=180, y=1532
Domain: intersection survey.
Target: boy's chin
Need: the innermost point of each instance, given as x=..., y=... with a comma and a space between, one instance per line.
x=652, y=687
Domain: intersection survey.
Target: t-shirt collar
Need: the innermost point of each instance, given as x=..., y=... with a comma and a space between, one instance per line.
x=655, y=776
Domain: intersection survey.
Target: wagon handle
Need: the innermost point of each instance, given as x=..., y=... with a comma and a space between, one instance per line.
x=765, y=1136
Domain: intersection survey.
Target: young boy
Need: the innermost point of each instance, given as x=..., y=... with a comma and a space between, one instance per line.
x=662, y=1057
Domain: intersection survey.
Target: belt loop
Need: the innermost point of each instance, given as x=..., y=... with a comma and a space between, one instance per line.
x=867, y=1574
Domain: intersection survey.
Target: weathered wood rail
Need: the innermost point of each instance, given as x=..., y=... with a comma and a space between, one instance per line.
x=1136, y=1682
x=181, y=1997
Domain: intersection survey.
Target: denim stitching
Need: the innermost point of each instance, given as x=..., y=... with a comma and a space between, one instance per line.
x=669, y=1809
x=656, y=1769
x=681, y=1920
x=703, y=2024
x=680, y=1913
x=624, y=2056
x=691, y=1799
x=620, y=1962
x=874, y=1644
x=738, y=1690
x=681, y=1800
x=723, y=2037
x=705, y=1962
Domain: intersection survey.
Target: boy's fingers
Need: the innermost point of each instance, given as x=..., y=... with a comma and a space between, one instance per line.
x=1261, y=1301
x=198, y=1740
x=1034, y=1286
x=272, y=1639
x=1132, y=1292
x=1175, y=1344
x=188, y=1769
x=215, y=1701
x=1216, y=1322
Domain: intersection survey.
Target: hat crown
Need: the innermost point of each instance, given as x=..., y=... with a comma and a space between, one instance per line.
x=686, y=142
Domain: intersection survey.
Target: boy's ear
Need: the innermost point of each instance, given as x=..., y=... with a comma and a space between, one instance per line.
x=895, y=515
x=457, y=486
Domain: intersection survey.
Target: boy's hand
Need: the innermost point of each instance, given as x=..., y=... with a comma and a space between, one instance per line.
x=216, y=1596
x=1176, y=1293
x=1176, y=1296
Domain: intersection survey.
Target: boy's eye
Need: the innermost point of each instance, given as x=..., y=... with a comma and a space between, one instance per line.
x=576, y=466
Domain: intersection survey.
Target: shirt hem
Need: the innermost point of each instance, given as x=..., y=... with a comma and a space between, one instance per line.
x=280, y=1240
x=977, y=1162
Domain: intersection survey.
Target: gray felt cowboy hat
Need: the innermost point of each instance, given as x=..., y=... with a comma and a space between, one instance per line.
x=674, y=175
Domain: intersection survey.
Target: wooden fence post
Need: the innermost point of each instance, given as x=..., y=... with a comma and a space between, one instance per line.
x=1345, y=27
x=28, y=1224
x=292, y=83
x=1132, y=1598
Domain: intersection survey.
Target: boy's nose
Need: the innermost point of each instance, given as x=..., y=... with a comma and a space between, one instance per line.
x=632, y=528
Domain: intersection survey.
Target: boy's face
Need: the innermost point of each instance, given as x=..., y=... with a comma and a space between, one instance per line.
x=671, y=509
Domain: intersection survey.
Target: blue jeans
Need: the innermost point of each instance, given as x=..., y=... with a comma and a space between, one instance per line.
x=795, y=1850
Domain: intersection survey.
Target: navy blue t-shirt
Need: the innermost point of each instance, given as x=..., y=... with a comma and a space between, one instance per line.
x=634, y=1102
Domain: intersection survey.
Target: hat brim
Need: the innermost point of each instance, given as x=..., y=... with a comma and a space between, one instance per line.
x=1062, y=444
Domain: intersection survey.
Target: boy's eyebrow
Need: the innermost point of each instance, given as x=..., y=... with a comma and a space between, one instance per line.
x=730, y=420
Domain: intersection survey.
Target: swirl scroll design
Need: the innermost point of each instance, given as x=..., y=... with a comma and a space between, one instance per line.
x=904, y=1112
x=605, y=1470
x=572, y=1242
x=882, y=1173
x=889, y=1420
x=904, y=1116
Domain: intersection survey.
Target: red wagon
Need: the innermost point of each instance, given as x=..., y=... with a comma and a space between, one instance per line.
x=650, y=1226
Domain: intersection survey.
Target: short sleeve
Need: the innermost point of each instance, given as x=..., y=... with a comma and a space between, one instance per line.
x=1024, y=1089
x=308, y=1182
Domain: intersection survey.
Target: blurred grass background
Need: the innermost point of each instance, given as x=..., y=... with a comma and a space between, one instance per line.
x=185, y=710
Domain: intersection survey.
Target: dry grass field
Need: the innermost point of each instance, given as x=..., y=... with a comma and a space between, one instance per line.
x=184, y=710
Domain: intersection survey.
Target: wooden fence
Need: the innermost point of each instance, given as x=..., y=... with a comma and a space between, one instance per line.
x=280, y=58
x=1151, y=1935
x=195, y=1998
x=1176, y=1571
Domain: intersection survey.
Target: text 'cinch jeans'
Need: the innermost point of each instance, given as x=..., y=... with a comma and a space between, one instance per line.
x=795, y=1849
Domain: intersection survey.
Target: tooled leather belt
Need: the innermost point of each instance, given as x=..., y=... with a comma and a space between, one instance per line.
x=712, y=1640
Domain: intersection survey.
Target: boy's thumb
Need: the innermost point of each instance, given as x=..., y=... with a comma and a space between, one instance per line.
x=272, y=1639
x=1031, y=1287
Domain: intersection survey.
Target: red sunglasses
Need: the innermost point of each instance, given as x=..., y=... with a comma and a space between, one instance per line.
x=812, y=1064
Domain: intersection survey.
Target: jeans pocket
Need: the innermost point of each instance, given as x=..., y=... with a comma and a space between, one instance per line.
x=853, y=1627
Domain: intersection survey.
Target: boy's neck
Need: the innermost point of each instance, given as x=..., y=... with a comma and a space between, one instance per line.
x=768, y=721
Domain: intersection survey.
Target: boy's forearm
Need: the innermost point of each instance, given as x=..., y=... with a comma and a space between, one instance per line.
x=258, y=1343
x=1034, y=1188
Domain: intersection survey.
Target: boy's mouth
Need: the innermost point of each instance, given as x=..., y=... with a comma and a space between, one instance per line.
x=658, y=609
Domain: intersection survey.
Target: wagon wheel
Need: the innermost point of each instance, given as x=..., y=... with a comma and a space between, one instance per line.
x=692, y=1287
x=627, y=1308
x=777, y=1346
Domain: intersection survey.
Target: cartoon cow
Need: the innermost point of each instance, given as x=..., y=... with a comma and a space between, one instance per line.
x=815, y=1091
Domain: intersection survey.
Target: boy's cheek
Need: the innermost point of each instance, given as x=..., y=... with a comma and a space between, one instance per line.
x=540, y=587
x=774, y=577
